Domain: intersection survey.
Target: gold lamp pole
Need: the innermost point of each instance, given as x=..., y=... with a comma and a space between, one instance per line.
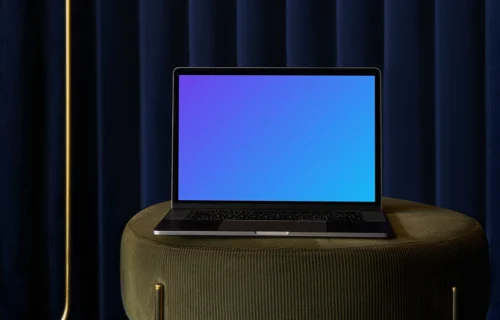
x=68, y=157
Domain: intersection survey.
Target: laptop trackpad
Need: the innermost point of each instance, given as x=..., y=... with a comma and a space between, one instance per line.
x=259, y=225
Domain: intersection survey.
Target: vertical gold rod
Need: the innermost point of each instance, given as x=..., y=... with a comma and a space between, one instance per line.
x=454, y=303
x=68, y=156
x=159, y=306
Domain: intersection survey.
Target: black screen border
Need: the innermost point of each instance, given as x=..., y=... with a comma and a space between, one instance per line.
x=277, y=205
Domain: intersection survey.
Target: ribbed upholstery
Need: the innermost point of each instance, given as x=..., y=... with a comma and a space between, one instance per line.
x=409, y=277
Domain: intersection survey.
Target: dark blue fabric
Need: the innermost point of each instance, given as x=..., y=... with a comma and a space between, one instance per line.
x=441, y=71
x=492, y=152
x=118, y=188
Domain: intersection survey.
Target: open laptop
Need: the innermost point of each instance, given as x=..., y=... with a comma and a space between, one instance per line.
x=283, y=152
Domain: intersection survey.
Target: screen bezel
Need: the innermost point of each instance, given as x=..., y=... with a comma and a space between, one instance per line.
x=277, y=205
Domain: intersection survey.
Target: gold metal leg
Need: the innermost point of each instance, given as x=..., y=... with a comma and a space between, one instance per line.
x=67, y=191
x=159, y=302
x=454, y=303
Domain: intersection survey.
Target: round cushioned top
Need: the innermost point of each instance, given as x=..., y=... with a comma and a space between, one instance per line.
x=406, y=277
x=411, y=222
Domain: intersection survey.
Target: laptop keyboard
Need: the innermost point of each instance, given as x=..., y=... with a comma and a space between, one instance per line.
x=331, y=216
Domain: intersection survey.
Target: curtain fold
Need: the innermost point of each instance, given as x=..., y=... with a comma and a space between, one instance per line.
x=311, y=33
x=211, y=35
x=31, y=158
x=260, y=33
x=164, y=22
x=409, y=100
x=49, y=171
x=84, y=218
x=492, y=83
x=440, y=62
x=118, y=151
x=460, y=122
x=360, y=33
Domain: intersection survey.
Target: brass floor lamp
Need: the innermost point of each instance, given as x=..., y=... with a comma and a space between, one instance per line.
x=68, y=157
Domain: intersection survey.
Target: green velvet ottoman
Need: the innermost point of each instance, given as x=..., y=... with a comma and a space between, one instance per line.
x=408, y=277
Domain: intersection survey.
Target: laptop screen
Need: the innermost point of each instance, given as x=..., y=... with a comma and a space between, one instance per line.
x=291, y=138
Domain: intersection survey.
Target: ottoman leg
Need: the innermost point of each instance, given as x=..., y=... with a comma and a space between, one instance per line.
x=159, y=307
x=454, y=302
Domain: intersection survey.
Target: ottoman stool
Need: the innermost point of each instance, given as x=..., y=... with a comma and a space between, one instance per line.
x=435, y=267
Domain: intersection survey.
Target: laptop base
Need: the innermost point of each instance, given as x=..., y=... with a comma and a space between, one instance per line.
x=174, y=224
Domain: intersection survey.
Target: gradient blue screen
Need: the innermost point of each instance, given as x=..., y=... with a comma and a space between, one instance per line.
x=276, y=138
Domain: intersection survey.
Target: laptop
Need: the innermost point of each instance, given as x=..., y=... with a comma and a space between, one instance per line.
x=276, y=152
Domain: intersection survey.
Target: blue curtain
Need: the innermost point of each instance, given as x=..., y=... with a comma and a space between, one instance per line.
x=441, y=70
